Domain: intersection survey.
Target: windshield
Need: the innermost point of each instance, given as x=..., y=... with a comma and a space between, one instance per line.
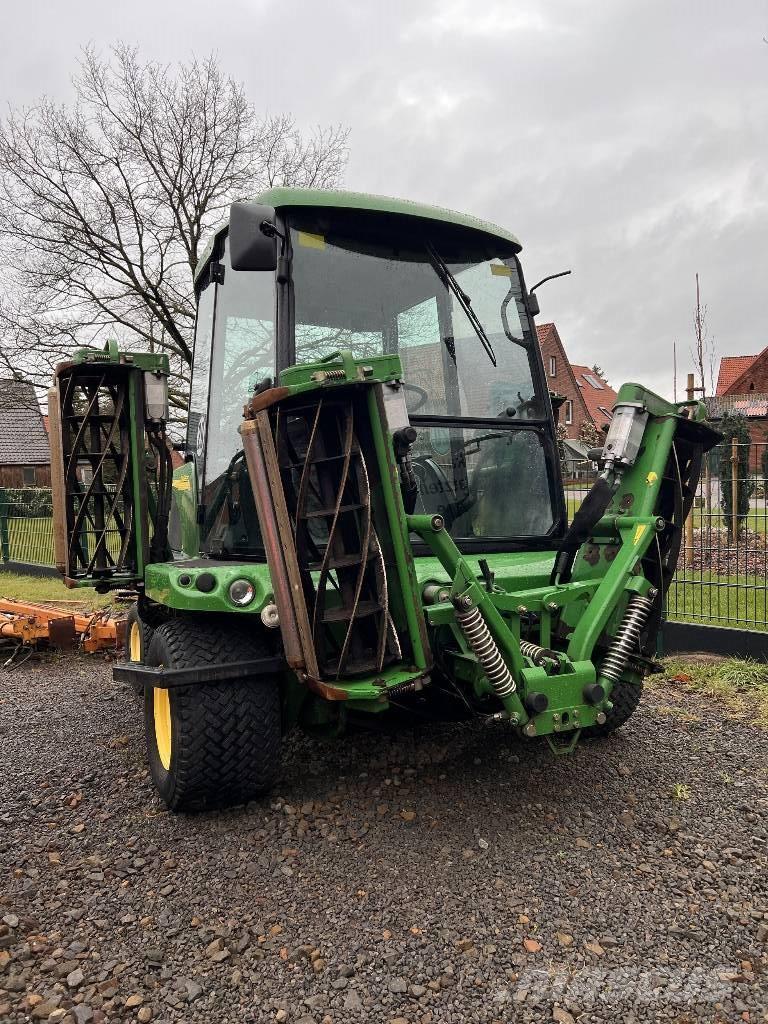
x=382, y=297
x=452, y=308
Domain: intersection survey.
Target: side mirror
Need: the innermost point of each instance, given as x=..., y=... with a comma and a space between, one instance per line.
x=250, y=247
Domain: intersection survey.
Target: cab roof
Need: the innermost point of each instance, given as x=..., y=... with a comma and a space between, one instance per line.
x=285, y=198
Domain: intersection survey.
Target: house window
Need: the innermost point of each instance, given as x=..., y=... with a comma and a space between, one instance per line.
x=28, y=473
x=606, y=412
x=552, y=366
x=568, y=412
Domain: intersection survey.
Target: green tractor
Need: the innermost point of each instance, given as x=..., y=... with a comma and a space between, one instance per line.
x=369, y=524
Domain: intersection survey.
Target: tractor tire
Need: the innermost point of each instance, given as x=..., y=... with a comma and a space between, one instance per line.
x=625, y=697
x=138, y=636
x=214, y=744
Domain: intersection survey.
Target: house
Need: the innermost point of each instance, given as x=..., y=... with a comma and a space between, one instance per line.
x=588, y=398
x=599, y=397
x=25, y=455
x=743, y=375
x=742, y=387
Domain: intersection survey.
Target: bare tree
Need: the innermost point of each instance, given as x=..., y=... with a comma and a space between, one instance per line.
x=105, y=204
x=703, y=352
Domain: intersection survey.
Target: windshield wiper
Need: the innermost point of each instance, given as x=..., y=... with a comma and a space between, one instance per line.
x=445, y=275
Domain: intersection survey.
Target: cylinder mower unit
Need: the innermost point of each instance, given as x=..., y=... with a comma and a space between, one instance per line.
x=370, y=517
x=111, y=469
x=321, y=463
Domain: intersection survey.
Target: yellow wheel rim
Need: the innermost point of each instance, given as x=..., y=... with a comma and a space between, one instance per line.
x=134, y=642
x=163, y=731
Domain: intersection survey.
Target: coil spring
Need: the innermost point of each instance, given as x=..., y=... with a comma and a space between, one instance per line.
x=627, y=639
x=413, y=686
x=323, y=375
x=538, y=655
x=484, y=646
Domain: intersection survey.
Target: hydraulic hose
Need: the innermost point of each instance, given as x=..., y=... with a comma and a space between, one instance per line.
x=587, y=516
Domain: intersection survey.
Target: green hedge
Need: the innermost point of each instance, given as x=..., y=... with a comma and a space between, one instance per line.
x=28, y=501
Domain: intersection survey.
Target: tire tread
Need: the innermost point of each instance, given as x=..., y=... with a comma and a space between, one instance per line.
x=228, y=735
x=625, y=697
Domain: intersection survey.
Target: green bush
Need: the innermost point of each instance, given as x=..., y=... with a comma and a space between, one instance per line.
x=26, y=501
x=734, y=425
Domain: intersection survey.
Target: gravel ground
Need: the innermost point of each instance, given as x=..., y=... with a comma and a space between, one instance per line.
x=448, y=875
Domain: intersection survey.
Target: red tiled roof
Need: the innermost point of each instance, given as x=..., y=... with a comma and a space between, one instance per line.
x=595, y=397
x=731, y=368
x=544, y=330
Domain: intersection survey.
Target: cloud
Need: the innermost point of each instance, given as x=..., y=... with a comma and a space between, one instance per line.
x=624, y=140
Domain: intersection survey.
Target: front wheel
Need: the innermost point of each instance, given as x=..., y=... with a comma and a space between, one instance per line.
x=213, y=744
x=138, y=636
x=625, y=697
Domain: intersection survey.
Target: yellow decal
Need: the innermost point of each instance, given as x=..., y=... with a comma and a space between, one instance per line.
x=310, y=241
x=500, y=270
x=652, y=478
x=639, y=531
x=182, y=483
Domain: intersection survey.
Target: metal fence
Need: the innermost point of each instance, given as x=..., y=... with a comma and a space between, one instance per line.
x=26, y=530
x=722, y=574
x=26, y=527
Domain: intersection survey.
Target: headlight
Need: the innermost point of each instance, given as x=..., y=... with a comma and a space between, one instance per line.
x=241, y=592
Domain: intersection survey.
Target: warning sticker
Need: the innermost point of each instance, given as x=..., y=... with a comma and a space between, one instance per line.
x=310, y=241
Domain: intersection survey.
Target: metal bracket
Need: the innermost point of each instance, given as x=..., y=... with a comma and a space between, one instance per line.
x=170, y=678
x=560, y=749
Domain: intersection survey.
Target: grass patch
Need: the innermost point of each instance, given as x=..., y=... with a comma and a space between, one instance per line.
x=51, y=590
x=738, y=601
x=739, y=686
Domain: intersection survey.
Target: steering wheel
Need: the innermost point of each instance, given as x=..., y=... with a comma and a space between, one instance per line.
x=420, y=392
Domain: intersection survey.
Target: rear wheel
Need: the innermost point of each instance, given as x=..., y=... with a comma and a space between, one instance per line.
x=214, y=744
x=625, y=697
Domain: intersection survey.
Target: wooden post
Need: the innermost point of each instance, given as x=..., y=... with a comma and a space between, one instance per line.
x=734, y=489
x=689, y=535
x=688, y=546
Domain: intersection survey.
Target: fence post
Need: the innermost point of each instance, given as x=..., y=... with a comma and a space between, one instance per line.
x=734, y=489
x=5, y=545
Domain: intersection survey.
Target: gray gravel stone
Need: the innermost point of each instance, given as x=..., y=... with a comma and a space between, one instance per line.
x=637, y=906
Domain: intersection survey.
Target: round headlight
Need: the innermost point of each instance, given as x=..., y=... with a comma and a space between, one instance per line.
x=241, y=592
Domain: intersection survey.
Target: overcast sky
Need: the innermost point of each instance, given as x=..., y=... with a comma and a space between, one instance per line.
x=625, y=140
